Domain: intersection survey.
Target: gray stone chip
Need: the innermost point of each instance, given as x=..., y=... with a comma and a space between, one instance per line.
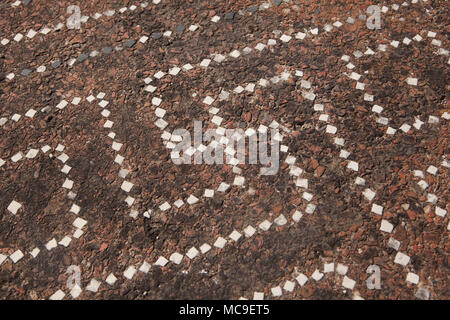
x=180, y=28
x=157, y=35
x=229, y=16
x=26, y=72
x=82, y=57
x=130, y=43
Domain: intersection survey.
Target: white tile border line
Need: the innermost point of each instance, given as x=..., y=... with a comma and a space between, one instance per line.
x=14, y=207
x=158, y=75
x=83, y=56
x=332, y=268
x=143, y=39
x=224, y=95
x=250, y=87
x=220, y=57
x=431, y=197
x=15, y=118
x=144, y=4
x=50, y=66
x=369, y=195
x=177, y=258
x=217, y=120
x=377, y=109
x=30, y=34
x=385, y=226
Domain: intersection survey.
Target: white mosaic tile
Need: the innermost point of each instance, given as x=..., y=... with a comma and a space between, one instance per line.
x=78, y=233
x=249, y=231
x=412, y=81
x=235, y=235
x=18, y=37
x=58, y=295
x=402, y=259
x=377, y=209
x=192, y=253
x=209, y=193
x=220, y=243
x=75, y=209
x=204, y=248
x=341, y=269
x=276, y=291
x=386, y=226
x=179, y=203
x=93, y=285
x=176, y=258
x=440, y=212
x=412, y=278
x=130, y=272
x=302, y=183
x=289, y=286
x=328, y=267
x=317, y=275
x=165, y=206
x=192, y=199
x=223, y=187
x=348, y=283
x=33, y=253
x=76, y=291
x=432, y=198
x=79, y=223
x=297, y=216
x=394, y=244
x=369, y=194
x=65, y=241
x=280, y=220
x=353, y=165
x=16, y=256
x=14, y=207
x=310, y=208
x=51, y=244
x=258, y=296
x=126, y=186
x=265, y=225
x=111, y=279
x=432, y=170
x=68, y=184
x=285, y=38
x=301, y=279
